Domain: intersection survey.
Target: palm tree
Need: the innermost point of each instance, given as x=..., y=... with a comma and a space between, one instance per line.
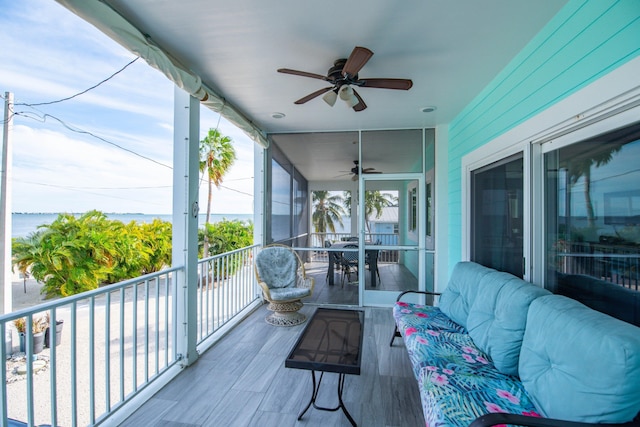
x=216, y=157
x=581, y=167
x=373, y=201
x=328, y=210
x=26, y=251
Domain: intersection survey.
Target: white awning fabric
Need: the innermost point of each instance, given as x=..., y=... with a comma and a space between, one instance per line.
x=119, y=29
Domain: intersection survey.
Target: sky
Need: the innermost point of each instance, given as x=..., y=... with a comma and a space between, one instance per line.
x=110, y=148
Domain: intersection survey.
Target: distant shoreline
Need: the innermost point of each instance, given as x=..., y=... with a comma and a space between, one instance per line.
x=24, y=223
x=123, y=213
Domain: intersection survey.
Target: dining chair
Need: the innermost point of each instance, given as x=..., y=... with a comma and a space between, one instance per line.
x=372, y=255
x=349, y=262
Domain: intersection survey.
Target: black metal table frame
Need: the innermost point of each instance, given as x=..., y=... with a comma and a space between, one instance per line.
x=314, y=395
x=322, y=367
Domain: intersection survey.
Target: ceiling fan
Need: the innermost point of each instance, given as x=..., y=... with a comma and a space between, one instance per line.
x=357, y=170
x=343, y=77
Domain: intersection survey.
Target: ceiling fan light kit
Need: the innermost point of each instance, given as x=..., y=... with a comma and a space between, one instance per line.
x=346, y=94
x=330, y=97
x=344, y=77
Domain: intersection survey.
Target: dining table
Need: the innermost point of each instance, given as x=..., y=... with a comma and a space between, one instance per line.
x=371, y=253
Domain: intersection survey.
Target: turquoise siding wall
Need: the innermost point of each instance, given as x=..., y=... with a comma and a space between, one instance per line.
x=583, y=42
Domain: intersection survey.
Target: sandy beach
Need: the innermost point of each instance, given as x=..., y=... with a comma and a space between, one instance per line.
x=25, y=295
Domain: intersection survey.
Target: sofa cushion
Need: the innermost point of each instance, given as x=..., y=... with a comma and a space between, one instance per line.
x=579, y=364
x=458, y=297
x=458, y=383
x=420, y=324
x=498, y=317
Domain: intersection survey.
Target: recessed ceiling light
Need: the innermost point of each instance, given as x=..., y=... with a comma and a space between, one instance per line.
x=277, y=115
x=429, y=109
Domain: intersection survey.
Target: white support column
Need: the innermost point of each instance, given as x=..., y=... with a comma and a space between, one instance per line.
x=5, y=208
x=259, y=202
x=441, y=217
x=186, y=134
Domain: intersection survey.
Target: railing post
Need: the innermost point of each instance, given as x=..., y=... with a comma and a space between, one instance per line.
x=185, y=220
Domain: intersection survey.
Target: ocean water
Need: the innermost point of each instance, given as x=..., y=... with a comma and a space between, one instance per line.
x=24, y=223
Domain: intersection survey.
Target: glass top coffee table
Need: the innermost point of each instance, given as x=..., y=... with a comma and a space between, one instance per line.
x=331, y=342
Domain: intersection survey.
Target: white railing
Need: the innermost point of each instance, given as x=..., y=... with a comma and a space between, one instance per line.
x=319, y=240
x=226, y=286
x=115, y=342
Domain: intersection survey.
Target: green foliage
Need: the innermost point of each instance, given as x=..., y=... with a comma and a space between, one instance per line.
x=327, y=211
x=221, y=237
x=225, y=236
x=157, y=236
x=73, y=255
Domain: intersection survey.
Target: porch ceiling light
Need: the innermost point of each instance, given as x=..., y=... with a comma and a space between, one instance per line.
x=346, y=94
x=330, y=97
x=429, y=109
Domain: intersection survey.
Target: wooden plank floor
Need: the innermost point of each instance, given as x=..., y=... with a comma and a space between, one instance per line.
x=242, y=381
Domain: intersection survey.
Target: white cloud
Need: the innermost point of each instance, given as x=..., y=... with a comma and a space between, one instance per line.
x=53, y=172
x=49, y=54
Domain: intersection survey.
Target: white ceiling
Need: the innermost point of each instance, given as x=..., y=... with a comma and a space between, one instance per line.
x=451, y=49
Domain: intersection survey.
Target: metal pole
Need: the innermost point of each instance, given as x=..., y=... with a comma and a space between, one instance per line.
x=5, y=209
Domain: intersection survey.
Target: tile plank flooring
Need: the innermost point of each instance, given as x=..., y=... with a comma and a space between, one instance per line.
x=242, y=381
x=393, y=277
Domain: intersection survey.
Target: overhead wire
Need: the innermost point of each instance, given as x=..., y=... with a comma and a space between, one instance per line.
x=89, y=192
x=84, y=91
x=75, y=187
x=76, y=129
x=43, y=118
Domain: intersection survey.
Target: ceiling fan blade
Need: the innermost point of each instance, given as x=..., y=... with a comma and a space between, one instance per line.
x=342, y=174
x=368, y=170
x=359, y=56
x=313, y=95
x=360, y=105
x=302, y=73
x=402, y=84
x=354, y=178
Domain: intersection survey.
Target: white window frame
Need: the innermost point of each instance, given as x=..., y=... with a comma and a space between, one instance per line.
x=608, y=103
x=485, y=156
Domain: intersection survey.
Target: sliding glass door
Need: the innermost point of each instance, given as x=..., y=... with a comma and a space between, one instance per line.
x=497, y=205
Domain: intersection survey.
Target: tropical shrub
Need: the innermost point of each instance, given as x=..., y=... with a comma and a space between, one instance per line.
x=157, y=236
x=78, y=254
x=73, y=255
x=225, y=236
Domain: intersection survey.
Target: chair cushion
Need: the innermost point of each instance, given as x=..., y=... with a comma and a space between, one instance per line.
x=458, y=297
x=579, y=364
x=277, y=267
x=283, y=294
x=498, y=317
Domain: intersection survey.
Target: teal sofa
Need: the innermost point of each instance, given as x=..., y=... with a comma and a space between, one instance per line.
x=498, y=350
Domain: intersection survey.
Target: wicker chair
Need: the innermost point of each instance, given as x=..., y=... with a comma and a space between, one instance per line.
x=281, y=275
